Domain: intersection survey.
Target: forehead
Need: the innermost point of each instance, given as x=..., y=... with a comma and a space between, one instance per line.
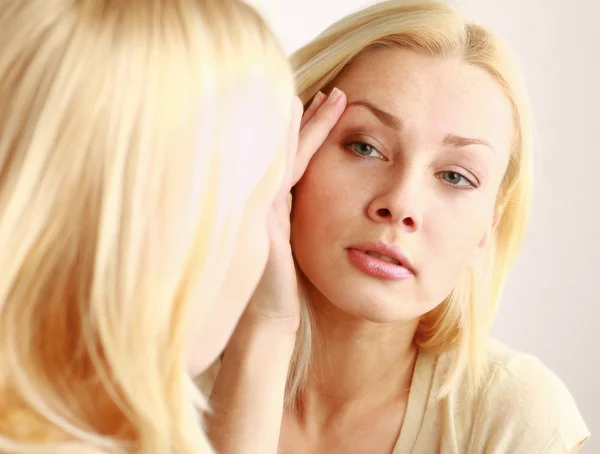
x=431, y=94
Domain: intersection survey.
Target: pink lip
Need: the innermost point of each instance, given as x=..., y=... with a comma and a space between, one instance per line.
x=377, y=267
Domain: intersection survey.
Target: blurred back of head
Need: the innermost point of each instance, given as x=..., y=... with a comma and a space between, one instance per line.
x=131, y=133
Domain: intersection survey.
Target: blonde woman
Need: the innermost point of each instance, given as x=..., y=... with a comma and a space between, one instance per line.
x=403, y=228
x=143, y=144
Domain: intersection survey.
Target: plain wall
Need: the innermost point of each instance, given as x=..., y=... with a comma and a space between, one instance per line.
x=551, y=304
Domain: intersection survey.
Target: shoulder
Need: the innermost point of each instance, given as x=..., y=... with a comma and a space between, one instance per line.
x=520, y=381
x=525, y=404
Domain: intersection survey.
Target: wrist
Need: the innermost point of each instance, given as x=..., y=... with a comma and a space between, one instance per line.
x=249, y=392
x=275, y=325
x=256, y=337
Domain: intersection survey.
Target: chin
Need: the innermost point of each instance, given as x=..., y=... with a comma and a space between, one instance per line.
x=375, y=312
x=381, y=309
x=373, y=301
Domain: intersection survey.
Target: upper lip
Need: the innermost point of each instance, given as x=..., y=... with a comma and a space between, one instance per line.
x=390, y=250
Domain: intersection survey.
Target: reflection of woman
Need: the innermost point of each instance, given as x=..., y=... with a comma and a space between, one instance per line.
x=126, y=202
x=404, y=227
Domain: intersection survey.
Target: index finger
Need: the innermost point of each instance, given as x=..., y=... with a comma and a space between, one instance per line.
x=293, y=132
x=314, y=133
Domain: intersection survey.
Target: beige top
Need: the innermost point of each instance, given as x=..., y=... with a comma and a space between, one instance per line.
x=523, y=409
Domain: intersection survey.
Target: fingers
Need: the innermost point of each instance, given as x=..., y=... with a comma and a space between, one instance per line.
x=313, y=108
x=316, y=130
x=293, y=133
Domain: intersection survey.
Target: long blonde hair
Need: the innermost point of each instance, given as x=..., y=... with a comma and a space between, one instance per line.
x=432, y=27
x=126, y=128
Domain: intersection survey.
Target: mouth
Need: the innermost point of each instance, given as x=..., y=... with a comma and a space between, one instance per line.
x=381, y=260
x=383, y=257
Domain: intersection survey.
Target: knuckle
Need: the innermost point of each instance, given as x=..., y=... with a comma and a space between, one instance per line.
x=324, y=118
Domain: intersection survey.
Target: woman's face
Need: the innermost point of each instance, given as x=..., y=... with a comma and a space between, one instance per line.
x=400, y=199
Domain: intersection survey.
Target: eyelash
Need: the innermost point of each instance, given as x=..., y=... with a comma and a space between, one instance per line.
x=470, y=185
x=350, y=146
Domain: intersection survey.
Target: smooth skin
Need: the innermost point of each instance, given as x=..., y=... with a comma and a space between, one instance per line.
x=403, y=182
x=416, y=161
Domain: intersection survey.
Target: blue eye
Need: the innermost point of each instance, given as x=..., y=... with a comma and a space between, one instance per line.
x=364, y=149
x=456, y=179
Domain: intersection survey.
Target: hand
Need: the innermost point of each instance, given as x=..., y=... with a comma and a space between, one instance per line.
x=276, y=297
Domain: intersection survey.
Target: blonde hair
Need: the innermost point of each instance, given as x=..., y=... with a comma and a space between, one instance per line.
x=432, y=27
x=126, y=128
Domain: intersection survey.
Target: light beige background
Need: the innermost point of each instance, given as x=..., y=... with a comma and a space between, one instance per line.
x=551, y=304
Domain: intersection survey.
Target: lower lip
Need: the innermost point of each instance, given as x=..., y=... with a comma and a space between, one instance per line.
x=376, y=267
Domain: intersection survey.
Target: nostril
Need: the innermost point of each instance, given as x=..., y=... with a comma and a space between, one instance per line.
x=409, y=222
x=384, y=213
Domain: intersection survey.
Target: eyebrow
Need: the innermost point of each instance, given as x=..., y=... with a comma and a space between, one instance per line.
x=459, y=142
x=385, y=117
x=394, y=122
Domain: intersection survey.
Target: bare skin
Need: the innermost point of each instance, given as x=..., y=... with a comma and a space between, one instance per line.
x=405, y=188
x=417, y=183
x=346, y=409
x=247, y=397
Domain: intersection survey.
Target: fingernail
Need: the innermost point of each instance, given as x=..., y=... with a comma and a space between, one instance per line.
x=334, y=95
x=317, y=99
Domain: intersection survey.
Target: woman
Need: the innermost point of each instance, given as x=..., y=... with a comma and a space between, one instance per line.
x=126, y=203
x=403, y=230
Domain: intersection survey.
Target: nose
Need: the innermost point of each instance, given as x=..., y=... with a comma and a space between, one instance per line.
x=398, y=202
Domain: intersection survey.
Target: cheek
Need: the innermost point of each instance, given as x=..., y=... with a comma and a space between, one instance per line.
x=323, y=204
x=450, y=247
x=453, y=234
x=305, y=222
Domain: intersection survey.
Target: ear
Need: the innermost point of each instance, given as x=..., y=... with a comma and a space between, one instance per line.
x=489, y=233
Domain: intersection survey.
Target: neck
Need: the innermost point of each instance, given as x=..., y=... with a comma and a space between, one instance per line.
x=356, y=363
